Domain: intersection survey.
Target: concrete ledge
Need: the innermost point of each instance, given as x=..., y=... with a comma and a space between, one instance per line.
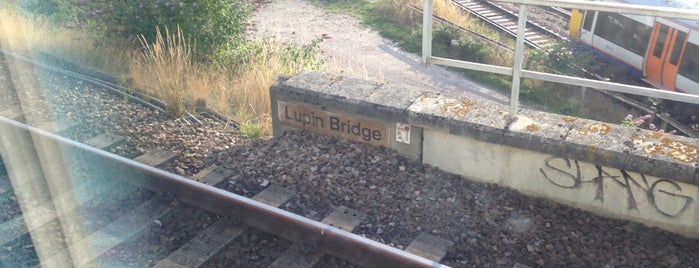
x=651, y=177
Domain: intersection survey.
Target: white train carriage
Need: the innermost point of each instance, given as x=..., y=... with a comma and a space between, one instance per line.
x=663, y=51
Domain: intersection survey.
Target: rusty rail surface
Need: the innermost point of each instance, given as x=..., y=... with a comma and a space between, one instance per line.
x=323, y=237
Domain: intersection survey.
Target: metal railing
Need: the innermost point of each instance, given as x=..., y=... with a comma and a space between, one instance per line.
x=518, y=73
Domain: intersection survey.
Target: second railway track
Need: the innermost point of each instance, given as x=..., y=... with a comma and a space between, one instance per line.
x=536, y=36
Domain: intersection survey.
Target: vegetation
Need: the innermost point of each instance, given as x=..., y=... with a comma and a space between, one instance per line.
x=196, y=53
x=188, y=53
x=396, y=20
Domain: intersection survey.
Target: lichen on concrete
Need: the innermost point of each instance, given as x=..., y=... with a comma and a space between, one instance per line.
x=599, y=143
x=655, y=143
x=595, y=128
x=458, y=108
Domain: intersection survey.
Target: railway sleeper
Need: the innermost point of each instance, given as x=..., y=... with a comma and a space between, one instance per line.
x=219, y=234
x=106, y=141
x=429, y=247
x=305, y=254
x=12, y=114
x=478, y=9
x=85, y=251
x=212, y=175
x=57, y=126
x=43, y=219
x=502, y=21
x=489, y=13
x=156, y=158
x=5, y=188
x=42, y=214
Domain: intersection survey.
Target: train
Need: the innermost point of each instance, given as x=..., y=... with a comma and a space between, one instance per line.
x=663, y=51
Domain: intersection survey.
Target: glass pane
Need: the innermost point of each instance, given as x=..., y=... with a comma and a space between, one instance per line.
x=615, y=29
x=677, y=48
x=660, y=43
x=587, y=24
x=688, y=67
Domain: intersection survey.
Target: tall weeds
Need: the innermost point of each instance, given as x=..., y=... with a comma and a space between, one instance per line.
x=236, y=85
x=167, y=70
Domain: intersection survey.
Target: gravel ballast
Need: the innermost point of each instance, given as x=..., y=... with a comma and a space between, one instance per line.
x=491, y=226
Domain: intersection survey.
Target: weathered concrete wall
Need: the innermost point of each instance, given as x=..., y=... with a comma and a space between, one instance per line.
x=609, y=169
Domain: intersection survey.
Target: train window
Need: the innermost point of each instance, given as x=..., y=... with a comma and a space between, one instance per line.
x=623, y=31
x=589, y=17
x=677, y=48
x=660, y=42
x=689, y=67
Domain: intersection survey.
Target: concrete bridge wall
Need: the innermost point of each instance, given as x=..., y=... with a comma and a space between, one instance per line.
x=608, y=169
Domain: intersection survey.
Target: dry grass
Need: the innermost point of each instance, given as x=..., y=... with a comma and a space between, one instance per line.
x=32, y=36
x=243, y=91
x=166, y=70
x=450, y=12
x=19, y=34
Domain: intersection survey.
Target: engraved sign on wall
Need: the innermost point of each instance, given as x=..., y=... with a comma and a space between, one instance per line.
x=344, y=126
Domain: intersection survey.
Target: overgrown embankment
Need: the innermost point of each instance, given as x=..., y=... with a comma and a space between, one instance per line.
x=188, y=53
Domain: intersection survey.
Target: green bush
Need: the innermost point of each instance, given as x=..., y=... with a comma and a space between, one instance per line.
x=293, y=57
x=213, y=25
x=54, y=10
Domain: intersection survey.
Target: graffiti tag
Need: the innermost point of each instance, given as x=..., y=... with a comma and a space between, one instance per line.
x=565, y=174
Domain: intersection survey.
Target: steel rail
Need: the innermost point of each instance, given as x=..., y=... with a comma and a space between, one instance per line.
x=493, y=23
x=539, y=28
x=462, y=29
x=561, y=12
x=614, y=7
x=538, y=31
x=327, y=239
x=102, y=81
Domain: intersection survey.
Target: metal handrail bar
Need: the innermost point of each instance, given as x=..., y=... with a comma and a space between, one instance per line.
x=614, y=7
x=611, y=86
x=516, y=71
x=479, y=36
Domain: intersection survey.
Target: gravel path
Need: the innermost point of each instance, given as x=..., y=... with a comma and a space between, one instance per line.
x=353, y=50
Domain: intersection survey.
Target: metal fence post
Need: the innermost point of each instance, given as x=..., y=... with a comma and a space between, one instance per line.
x=519, y=59
x=427, y=32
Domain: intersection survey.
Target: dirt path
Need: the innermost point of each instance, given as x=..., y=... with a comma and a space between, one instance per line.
x=353, y=50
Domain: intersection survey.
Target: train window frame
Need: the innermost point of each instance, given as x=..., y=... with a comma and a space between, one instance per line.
x=588, y=20
x=614, y=28
x=677, y=48
x=659, y=46
x=689, y=67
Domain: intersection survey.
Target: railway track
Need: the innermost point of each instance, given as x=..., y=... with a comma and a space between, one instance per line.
x=67, y=201
x=536, y=36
